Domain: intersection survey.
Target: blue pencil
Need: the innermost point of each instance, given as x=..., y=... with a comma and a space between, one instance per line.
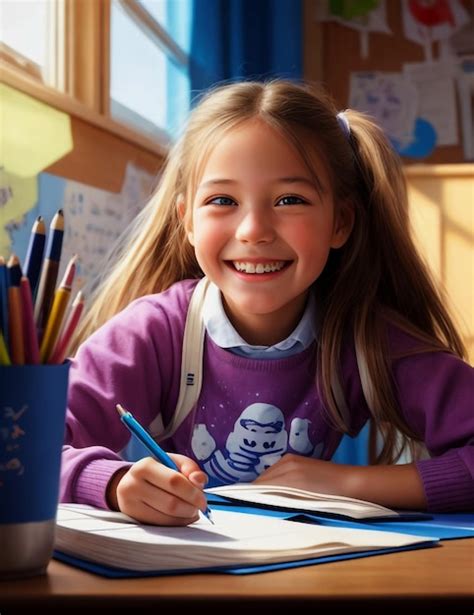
x=4, y=300
x=34, y=254
x=144, y=437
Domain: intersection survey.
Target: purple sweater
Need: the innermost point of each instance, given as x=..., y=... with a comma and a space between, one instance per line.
x=250, y=411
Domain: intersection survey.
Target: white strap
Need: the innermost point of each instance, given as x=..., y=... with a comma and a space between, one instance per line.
x=191, y=365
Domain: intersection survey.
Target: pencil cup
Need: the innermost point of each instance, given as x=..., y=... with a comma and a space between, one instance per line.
x=32, y=419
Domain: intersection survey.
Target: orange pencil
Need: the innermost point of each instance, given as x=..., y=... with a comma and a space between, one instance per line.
x=59, y=352
x=15, y=324
x=60, y=301
x=32, y=355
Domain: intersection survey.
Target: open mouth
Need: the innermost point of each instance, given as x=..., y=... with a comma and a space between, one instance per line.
x=259, y=268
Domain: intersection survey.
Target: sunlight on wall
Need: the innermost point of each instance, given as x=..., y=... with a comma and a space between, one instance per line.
x=442, y=212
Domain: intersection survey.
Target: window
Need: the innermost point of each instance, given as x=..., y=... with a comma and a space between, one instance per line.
x=31, y=38
x=120, y=64
x=149, y=58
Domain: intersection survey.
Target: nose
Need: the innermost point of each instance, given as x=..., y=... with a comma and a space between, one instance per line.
x=255, y=227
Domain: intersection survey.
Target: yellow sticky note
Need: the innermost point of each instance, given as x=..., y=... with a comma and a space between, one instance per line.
x=33, y=135
x=18, y=195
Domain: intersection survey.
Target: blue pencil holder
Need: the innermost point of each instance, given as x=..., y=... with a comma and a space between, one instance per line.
x=33, y=402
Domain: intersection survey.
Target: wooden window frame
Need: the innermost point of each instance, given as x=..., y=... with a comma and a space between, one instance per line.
x=86, y=69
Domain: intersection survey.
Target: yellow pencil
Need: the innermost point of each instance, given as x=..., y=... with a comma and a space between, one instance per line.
x=4, y=356
x=58, y=309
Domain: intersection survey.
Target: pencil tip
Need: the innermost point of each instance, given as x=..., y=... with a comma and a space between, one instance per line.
x=57, y=223
x=120, y=409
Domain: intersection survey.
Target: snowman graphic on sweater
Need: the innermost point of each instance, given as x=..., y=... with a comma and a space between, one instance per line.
x=258, y=440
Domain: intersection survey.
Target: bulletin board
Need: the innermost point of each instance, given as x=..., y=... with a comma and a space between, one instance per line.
x=334, y=51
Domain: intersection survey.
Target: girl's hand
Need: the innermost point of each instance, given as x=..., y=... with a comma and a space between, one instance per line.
x=151, y=493
x=306, y=473
x=395, y=486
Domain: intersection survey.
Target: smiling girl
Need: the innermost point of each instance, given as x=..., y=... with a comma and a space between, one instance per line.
x=318, y=315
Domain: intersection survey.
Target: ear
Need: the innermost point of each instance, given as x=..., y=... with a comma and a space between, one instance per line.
x=185, y=218
x=343, y=224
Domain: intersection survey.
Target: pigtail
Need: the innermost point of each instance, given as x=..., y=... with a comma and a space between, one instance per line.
x=399, y=287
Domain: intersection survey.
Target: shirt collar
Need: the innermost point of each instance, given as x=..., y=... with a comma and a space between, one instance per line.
x=222, y=333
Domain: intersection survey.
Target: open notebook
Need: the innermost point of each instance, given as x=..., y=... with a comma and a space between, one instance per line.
x=289, y=498
x=235, y=540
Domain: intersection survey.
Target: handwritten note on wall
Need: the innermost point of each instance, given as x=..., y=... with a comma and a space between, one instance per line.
x=94, y=218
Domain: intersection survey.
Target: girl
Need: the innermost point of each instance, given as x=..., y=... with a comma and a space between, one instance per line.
x=319, y=316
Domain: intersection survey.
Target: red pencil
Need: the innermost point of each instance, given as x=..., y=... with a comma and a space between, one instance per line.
x=30, y=337
x=59, y=352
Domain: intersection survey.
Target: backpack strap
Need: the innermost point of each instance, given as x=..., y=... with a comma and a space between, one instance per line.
x=191, y=365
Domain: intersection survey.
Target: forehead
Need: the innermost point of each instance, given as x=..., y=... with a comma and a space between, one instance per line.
x=256, y=150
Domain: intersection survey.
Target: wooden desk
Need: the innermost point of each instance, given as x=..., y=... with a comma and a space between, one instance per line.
x=438, y=576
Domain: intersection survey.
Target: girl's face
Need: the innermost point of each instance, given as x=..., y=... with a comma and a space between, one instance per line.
x=262, y=229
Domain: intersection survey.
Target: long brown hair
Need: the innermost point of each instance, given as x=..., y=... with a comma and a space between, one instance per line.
x=377, y=276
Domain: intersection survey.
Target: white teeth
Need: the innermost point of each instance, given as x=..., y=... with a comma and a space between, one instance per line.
x=259, y=267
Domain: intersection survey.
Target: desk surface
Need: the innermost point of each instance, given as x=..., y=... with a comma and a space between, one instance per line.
x=435, y=576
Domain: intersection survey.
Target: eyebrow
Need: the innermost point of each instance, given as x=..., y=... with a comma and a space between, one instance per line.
x=280, y=180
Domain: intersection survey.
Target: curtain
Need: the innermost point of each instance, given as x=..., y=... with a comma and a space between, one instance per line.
x=245, y=39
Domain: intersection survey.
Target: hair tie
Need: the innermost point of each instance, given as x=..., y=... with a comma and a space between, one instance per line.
x=343, y=122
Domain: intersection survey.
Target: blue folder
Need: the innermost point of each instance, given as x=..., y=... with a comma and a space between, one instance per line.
x=435, y=527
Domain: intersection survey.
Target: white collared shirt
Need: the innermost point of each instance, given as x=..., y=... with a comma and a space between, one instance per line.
x=220, y=330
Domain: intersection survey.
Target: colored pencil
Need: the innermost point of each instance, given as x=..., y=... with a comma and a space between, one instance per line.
x=30, y=339
x=58, y=309
x=15, y=324
x=4, y=356
x=3, y=300
x=49, y=273
x=59, y=352
x=34, y=254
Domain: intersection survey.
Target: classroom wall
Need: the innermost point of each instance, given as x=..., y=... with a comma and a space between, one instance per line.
x=442, y=214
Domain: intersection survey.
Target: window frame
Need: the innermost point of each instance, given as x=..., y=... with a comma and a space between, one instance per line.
x=85, y=38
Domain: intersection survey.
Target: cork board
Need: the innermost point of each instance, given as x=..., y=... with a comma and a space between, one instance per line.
x=333, y=52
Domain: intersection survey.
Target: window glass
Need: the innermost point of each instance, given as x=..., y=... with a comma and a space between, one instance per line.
x=147, y=88
x=175, y=17
x=24, y=27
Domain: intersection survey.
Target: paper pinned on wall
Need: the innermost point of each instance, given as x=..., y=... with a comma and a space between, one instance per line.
x=34, y=135
x=427, y=22
x=364, y=16
x=94, y=218
x=17, y=197
x=390, y=98
x=435, y=85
